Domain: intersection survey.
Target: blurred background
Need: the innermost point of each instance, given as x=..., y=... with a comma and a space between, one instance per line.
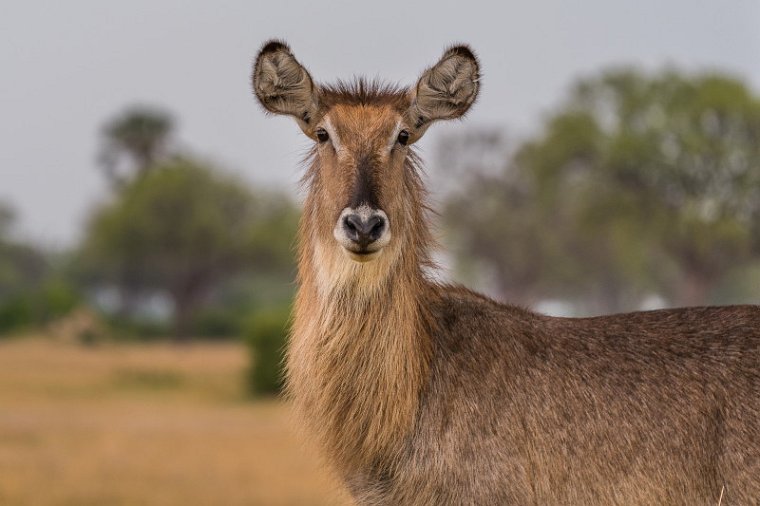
x=148, y=210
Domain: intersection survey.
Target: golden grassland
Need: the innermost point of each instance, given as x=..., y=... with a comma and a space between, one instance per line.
x=146, y=425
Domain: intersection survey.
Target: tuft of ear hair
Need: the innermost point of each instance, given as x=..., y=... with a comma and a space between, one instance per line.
x=283, y=85
x=446, y=90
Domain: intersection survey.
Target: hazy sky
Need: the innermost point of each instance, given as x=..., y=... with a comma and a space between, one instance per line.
x=68, y=66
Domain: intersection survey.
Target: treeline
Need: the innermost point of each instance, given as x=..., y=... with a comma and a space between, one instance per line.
x=640, y=189
x=179, y=230
x=178, y=248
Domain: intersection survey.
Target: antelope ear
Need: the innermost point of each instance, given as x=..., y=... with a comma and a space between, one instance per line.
x=446, y=90
x=284, y=86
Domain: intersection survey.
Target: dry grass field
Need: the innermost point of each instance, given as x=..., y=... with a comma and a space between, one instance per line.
x=145, y=425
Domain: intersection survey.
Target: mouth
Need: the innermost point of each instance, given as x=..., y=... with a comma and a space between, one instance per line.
x=362, y=256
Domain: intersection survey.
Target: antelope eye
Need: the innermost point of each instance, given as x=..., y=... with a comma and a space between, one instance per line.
x=322, y=135
x=403, y=137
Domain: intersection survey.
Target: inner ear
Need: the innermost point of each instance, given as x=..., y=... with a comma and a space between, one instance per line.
x=284, y=86
x=446, y=90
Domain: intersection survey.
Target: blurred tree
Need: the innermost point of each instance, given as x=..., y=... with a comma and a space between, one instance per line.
x=182, y=229
x=21, y=265
x=637, y=184
x=33, y=289
x=495, y=240
x=134, y=141
x=683, y=152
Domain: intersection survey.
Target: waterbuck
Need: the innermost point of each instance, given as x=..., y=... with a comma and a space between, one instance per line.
x=425, y=393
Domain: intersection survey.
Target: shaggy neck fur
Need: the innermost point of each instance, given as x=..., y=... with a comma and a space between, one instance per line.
x=360, y=347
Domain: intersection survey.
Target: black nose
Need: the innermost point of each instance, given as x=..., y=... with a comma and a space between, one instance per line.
x=363, y=232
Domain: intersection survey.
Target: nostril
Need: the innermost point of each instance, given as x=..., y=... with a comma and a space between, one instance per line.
x=375, y=226
x=353, y=226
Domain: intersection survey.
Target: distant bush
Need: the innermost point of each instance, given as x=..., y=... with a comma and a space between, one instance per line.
x=38, y=306
x=15, y=312
x=217, y=323
x=265, y=337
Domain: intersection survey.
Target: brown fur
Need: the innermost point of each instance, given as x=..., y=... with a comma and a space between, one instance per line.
x=422, y=393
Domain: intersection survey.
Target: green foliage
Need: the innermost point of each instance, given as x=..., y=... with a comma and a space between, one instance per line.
x=21, y=267
x=183, y=230
x=638, y=184
x=273, y=235
x=32, y=290
x=39, y=305
x=266, y=338
x=15, y=312
x=218, y=322
x=227, y=315
x=57, y=298
x=175, y=229
x=180, y=216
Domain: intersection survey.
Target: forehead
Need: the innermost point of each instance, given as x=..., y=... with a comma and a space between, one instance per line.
x=363, y=122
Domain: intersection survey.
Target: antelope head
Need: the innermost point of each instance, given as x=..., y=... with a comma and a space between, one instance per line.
x=365, y=198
